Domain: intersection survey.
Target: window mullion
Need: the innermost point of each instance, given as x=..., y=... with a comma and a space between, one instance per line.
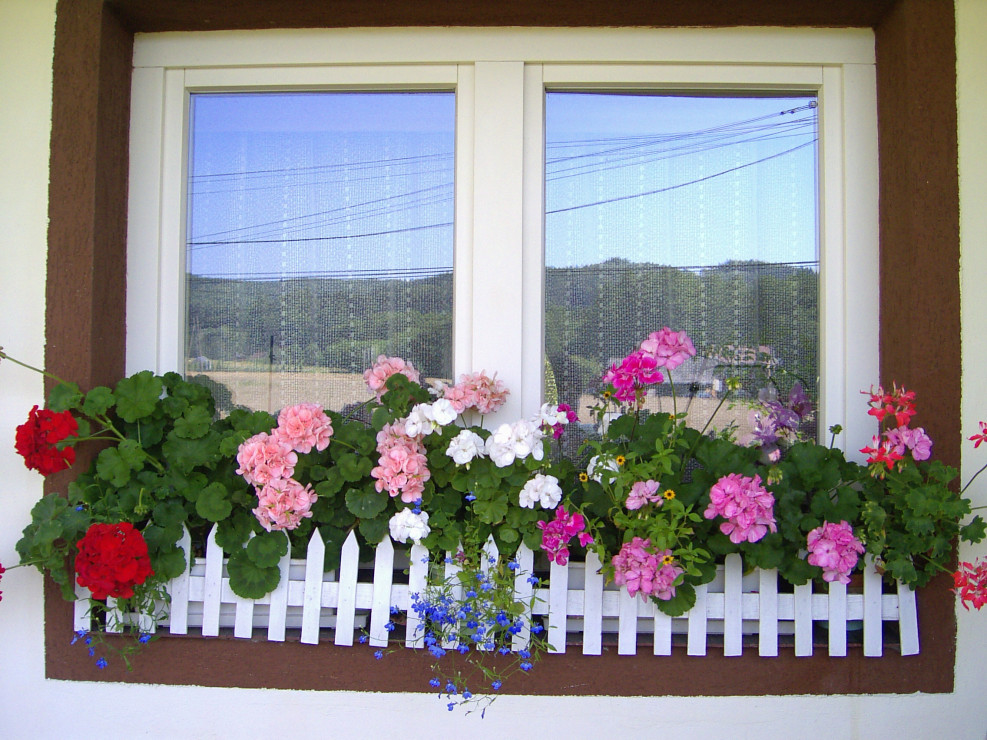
x=498, y=164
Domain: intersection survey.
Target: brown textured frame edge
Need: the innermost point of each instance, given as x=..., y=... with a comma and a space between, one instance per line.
x=919, y=215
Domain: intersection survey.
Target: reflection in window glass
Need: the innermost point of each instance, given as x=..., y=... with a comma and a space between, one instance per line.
x=319, y=236
x=696, y=213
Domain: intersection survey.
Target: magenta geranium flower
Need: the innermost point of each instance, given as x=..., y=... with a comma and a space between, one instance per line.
x=669, y=348
x=835, y=549
x=746, y=505
x=643, y=571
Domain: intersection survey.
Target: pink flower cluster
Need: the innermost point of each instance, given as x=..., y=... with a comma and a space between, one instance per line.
x=834, y=548
x=557, y=533
x=645, y=572
x=634, y=372
x=283, y=503
x=643, y=492
x=266, y=457
x=893, y=444
x=970, y=583
x=669, y=348
x=376, y=377
x=402, y=468
x=745, y=504
x=267, y=462
x=304, y=426
x=477, y=391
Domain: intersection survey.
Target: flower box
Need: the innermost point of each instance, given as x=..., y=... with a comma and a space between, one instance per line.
x=578, y=610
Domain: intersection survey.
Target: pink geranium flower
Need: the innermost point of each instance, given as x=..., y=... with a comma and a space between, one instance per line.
x=642, y=571
x=402, y=468
x=557, y=533
x=477, y=391
x=265, y=457
x=634, y=372
x=376, y=377
x=282, y=504
x=745, y=504
x=835, y=549
x=642, y=493
x=669, y=348
x=304, y=426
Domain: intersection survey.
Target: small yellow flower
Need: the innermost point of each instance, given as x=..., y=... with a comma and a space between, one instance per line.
x=583, y=477
x=668, y=560
x=669, y=494
x=621, y=459
x=607, y=394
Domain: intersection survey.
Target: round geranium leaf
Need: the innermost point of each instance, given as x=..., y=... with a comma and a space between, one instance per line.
x=138, y=395
x=249, y=580
x=169, y=564
x=64, y=396
x=267, y=549
x=374, y=530
x=233, y=531
x=366, y=504
x=169, y=513
x=354, y=467
x=98, y=401
x=194, y=422
x=683, y=601
x=213, y=503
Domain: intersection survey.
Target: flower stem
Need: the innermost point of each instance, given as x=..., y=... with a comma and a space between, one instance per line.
x=5, y=356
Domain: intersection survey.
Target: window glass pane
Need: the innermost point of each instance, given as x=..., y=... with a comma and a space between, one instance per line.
x=319, y=236
x=698, y=213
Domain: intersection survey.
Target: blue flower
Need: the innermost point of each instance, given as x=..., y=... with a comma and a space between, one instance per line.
x=514, y=565
x=395, y=610
x=470, y=497
x=363, y=639
x=80, y=507
x=78, y=636
x=390, y=626
x=487, y=586
x=451, y=705
x=537, y=628
x=144, y=638
x=379, y=654
x=450, y=688
x=524, y=654
x=467, y=694
x=101, y=663
x=471, y=594
x=533, y=580
x=463, y=648
x=92, y=652
x=425, y=560
x=496, y=685
x=434, y=683
x=436, y=651
x=526, y=666
x=504, y=650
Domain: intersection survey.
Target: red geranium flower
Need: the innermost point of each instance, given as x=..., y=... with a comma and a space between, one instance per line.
x=112, y=560
x=982, y=437
x=37, y=438
x=970, y=582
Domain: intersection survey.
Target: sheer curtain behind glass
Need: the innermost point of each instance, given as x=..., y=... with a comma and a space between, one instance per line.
x=692, y=212
x=319, y=236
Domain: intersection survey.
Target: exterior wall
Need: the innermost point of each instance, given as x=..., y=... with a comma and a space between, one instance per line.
x=32, y=706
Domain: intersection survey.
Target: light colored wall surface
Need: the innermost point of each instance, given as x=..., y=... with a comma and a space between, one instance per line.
x=33, y=707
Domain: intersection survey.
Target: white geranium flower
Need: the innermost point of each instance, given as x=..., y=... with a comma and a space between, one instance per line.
x=599, y=467
x=516, y=441
x=551, y=415
x=421, y=421
x=543, y=489
x=443, y=412
x=465, y=446
x=406, y=524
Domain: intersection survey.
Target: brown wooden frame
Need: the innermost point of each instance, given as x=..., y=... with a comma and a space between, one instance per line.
x=920, y=321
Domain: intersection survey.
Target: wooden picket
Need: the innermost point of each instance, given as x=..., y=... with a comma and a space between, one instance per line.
x=574, y=604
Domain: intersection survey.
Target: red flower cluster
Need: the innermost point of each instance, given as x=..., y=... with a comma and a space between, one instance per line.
x=899, y=403
x=2, y=571
x=36, y=439
x=970, y=582
x=112, y=560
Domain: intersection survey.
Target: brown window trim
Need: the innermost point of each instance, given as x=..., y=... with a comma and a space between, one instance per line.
x=920, y=330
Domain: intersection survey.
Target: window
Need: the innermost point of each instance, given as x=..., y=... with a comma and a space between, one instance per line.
x=511, y=100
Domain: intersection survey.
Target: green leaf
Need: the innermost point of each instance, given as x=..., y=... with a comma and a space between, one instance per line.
x=267, y=549
x=169, y=513
x=186, y=454
x=353, y=467
x=233, y=531
x=98, y=401
x=137, y=396
x=213, y=503
x=113, y=467
x=249, y=580
x=974, y=531
x=194, y=423
x=683, y=601
x=169, y=563
x=64, y=396
x=374, y=530
x=366, y=504
x=490, y=511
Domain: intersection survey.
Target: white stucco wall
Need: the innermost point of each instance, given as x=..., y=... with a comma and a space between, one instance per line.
x=33, y=707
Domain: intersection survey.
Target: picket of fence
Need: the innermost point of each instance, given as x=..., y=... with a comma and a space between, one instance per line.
x=575, y=603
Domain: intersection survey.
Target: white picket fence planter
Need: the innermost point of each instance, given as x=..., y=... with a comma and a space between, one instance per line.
x=575, y=603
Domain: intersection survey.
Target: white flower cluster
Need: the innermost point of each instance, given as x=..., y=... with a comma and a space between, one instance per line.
x=516, y=442
x=425, y=418
x=406, y=524
x=465, y=446
x=551, y=416
x=542, y=489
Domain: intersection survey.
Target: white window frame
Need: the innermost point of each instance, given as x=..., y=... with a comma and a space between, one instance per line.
x=500, y=77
